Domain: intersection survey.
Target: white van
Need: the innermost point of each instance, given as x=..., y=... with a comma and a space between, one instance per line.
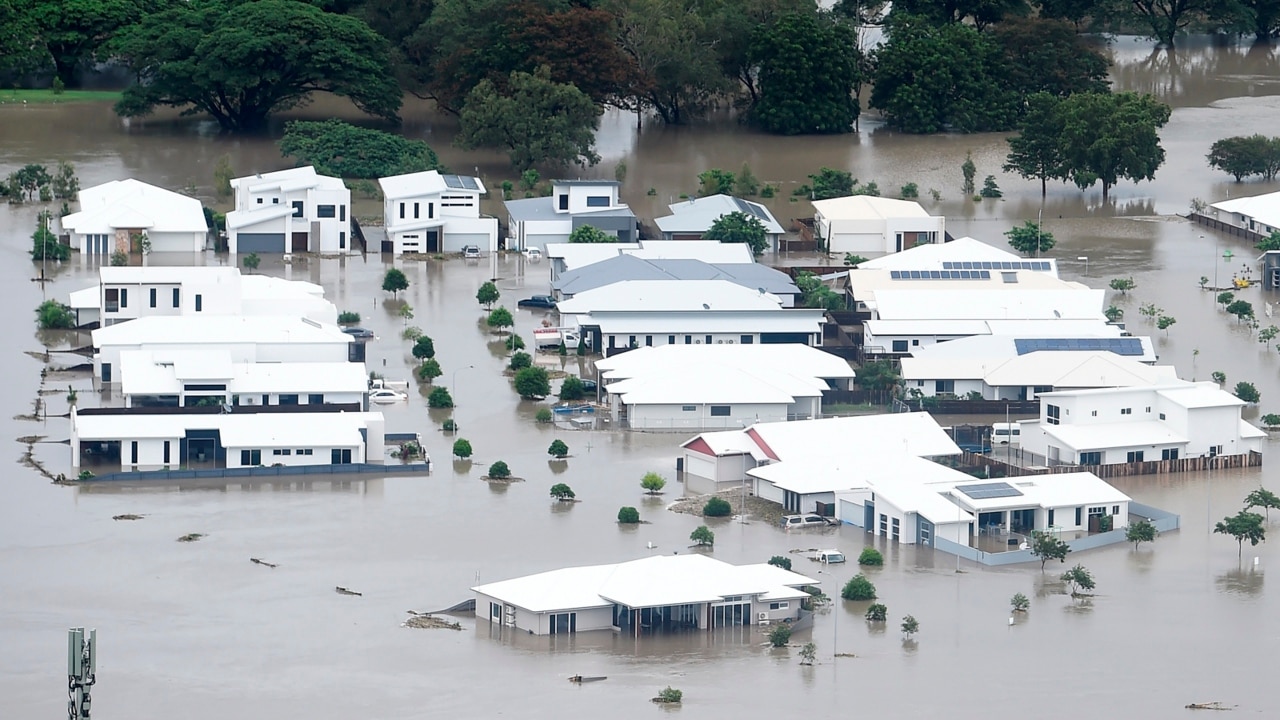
x=1006, y=433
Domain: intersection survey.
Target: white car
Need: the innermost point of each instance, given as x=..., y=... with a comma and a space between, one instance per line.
x=830, y=557
x=790, y=522
x=534, y=254
x=387, y=395
x=471, y=252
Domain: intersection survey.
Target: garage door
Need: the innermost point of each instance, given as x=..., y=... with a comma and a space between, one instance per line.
x=260, y=243
x=700, y=465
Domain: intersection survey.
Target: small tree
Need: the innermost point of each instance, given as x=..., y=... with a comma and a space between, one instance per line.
x=1224, y=298
x=424, y=348
x=715, y=182
x=119, y=258
x=346, y=317
x=1242, y=309
x=1247, y=392
x=499, y=471
x=572, y=389
x=53, y=315
x=990, y=189
x=1164, y=322
x=1242, y=526
x=591, y=234
x=628, y=515
x=520, y=361
x=746, y=183
x=449, y=425
x=970, y=171
x=251, y=262
x=514, y=342
x=910, y=626
x=670, y=695
x=560, y=491
x=808, y=653
x=1030, y=239
x=1078, y=579
x=1140, y=532
x=910, y=191
x=1267, y=334
x=1262, y=498
x=870, y=556
x=429, y=370
x=653, y=483
x=1046, y=547
x=411, y=333
x=1270, y=420
x=45, y=245
x=558, y=449
x=543, y=416
x=461, y=448
x=1218, y=376
x=717, y=507
x=1019, y=602
x=739, y=227
x=858, y=588
x=702, y=535
x=780, y=635
x=780, y=561
x=532, y=382
x=439, y=398
x=488, y=294
x=1122, y=285
x=500, y=319
x=877, y=612
x=222, y=176
x=394, y=281
x=851, y=260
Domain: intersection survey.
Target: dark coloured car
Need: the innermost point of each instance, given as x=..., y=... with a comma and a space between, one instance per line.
x=589, y=386
x=538, y=301
x=358, y=333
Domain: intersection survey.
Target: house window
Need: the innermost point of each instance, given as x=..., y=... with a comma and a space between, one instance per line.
x=339, y=456
x=1161, y=416
x=899, y=345
x=285, y=451
x=1126, y=411
x=431, y=211
x=779, y=606
x=250, y=458
x=275, y=201
x=1134, y=456
x=401, y=211
x=1215, y=450
x=112, y=300
x=342, y=212
x=688, y=408
x=708, y=340
x=944, y=386
x=124, y=297
x=1053, y=414
x=564, y=623
x=315, y=399
x=1037, y=389
x=1094, y=413
x=199, y=302
x=1093, y=457
x=305, y=451
x=719, y=411
x=415, y=211
x=133, y=452
x=632, y=341
x=495, y=612
x=688, y=339
x=166, y=452
x=259, y=201
x=297, y=208
x=897, y=529
x=1148, y=410
x=564, y=202
x=671, y=339
x=288, y=399
x=597, y=201
x=1169, y=454
x=326, y=211
x=1050, y=517
x=1079, y=516
x=884, y=524
x=153, y=297
x=915, y=343
x=177, y=297
x=342, y=241
x=648, y=340
x=747, y=339
x=1115, y=509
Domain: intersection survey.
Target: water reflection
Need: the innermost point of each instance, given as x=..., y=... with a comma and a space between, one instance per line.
x=1197, y=72
x=1243, y=581
x=337, y=485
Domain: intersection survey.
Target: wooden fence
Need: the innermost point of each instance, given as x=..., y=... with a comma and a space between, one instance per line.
x=1215, y=224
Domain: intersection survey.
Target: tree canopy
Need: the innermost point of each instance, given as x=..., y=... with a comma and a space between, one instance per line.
x=739, y=227
x=807, y=69
x=1242, y=526
x=1109, y=137
x=1242, y=156
x=343, y=150
x=243, y=62
x=535, y=120
x=591, y=234
x=70, y=35
x=1030, y=239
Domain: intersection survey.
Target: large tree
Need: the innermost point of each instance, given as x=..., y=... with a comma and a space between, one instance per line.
x=1109, y=137
x=242, y=62
x=739, y=227
x=1241, y=156
x=931, y=78
x=980, y=12
x=71, y=34
x=1035, y=152
x=735, y=23
x=1048, y=56
x=536, y=121
x=343, y=150
x=1166, y=18
x=808, y=66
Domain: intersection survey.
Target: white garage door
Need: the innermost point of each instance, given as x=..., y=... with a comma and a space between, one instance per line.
x=696, y=463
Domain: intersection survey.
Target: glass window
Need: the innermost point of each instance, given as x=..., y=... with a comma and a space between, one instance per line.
x=719, y=411
x=899, y=345
x=199, y=303
x=315, y=399
x=688, y=408
x=747, y=339
x=597, y=201
x=326, y=211
x=1091, y=458
x=153, y=297
x=288, y=399
x=415, y=210
x=1169, y=454
x=177, y=296
x=1053, y=414
x=1135, y=456
x=297, y=208
x=342, y=212
x=564, y=202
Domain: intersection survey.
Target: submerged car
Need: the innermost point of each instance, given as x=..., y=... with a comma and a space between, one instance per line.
x=830, y=557
x=791, y=522
x=358, y=333
x=387, y=395
x=538, y=301
x=470, y=252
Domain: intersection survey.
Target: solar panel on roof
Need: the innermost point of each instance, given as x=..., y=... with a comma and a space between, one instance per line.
x=752, y=208
x=988, y=491
x=895, y=275
x=452, y=181
x=1129, y=347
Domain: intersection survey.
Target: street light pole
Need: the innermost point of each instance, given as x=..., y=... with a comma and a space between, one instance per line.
x=453, y=385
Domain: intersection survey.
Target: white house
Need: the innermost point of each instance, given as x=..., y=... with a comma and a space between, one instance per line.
x=184, y=378
x=536, y=222
x=565, y=257
x=626, y=266
x=252, y=339
x=963, y=253
x=115, y=216
x=1258, y=214
x=872, y=226
x=691, y=219
x=700, y=387
x=126, y=293
x=426, y=212
x=1026, y=376
x=135, y=441
x=653, y=594
x=1138, y=424
x=288, y=211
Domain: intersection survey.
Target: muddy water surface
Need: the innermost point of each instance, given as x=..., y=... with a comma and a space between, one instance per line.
x=196, y=626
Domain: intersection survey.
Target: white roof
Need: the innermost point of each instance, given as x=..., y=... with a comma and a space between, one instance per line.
x=1263, y=208
x=132, y=204
x=1046, y=491
x=266, y=287
x=217, y=329
x=287, y=180
x=931, y=256
x=864, y=284
x=428, y=182
x=929, y=500
x=1009, y=303
x=237, y=219
x=701, y=385
x=87, y=299
x=867, y=206
x=706, y=321
x=166, y=274
x=724, y=442
x=798, y=359
x=698, y=214
x=144, y=372
x=915, y=433
x=1100, y=436
x=1186, y=394
x=649, y=582
x=236, y=430
x=1062, y=369
x=576, y=255
x=994, y=349
x=669, y=296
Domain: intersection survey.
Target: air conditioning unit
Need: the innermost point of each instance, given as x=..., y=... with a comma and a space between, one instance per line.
x=697, y=342
x=762, y=616
x=729, y=341
x=719, y=342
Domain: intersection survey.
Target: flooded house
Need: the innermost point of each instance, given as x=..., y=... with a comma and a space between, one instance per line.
x=191, y=378
x=118, y=216
x=661, y=593
x=872, y=226
x=625, y=266
x=295, y=210
x=566, y=256
x=539, y=221
x=430, y=212
x=1029, y=374
x=1254, y=217
x=691, y=219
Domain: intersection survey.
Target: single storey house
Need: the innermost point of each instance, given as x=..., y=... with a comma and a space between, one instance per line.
x=1256, y=215
x=691, y=219
x=964, y=253
x=290, y=211
x=565, y=256
x=1167, y=421
x=754, y=276
x=537, y=222
x=872, y=226
x=654, y=594
x=185, y=378
x=121, y=214
x=1025, y=376
x=427, y=212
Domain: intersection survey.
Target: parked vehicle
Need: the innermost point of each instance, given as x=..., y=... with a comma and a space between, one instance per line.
x=1006, y=433
x=534, y=254
x=791, y=522
x=830, y=557
x=470, y=252
x=387, y=395
x=589, y=385
x=385, y=384
x=358, y=333
x=538, y=301
x=551, y=337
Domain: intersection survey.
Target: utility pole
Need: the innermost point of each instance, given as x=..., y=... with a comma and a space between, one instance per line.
x=81, y=668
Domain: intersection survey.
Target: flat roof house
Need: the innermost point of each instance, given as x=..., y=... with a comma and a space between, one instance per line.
x=654, y=594
x=873, y=226
x=184, y=378
x=290, y=211
x=427, y=212
x=1139, y=424
x=700, y=387
x=754, y=276
x=1026, y=376
x=537, y=222
x=691, y=219
x=115, y=216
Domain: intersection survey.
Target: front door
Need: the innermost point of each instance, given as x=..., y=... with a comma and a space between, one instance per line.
x=299, y=242
x=106, y=372
x=433, y=241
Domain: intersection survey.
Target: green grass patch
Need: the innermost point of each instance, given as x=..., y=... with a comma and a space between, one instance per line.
x=47, y=95
x=846, y=408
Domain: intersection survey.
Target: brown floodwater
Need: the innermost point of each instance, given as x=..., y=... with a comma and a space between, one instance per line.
x=197, y=628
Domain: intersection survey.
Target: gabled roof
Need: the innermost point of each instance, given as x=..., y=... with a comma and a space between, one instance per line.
x=287, y=180
x=932, y=256
x=669, y=296
x=237, y=219
x=914, y=433
x=1056, y=368
x=792, y=357
x=132, y=204
x=576, y=255
x=303, y=430
x=990, y=304
x=703, y=385
x=538, y=208
x=868, y=206
x=218, y=329
x=698, y=214
x=1262, y=208
x=428, y=182
x=1185, y=394
x=1100, y=436
x=630, y=267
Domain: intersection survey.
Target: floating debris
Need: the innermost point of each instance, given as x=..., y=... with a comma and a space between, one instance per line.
x=1210, y=706
x=258, y=561
x=344, y=591
x=127, y=516
x=191, y=537
x=587, y=678
x=427, y=621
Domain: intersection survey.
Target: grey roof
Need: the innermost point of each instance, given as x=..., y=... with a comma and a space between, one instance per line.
x=539, y=208
x=581, y=181
x=630, y=267
x=621, y=211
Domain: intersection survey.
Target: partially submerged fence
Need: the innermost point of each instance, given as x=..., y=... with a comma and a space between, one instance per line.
x=263, y=472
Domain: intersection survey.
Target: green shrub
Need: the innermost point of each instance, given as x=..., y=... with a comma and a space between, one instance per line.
x=514, y=342
x=653, y=483
x=532, y=382
x=560, y=491
x=670, y=695
x=440, y=398
x=429, y=370
x=499, y=471
x=449, y=425
x=424, y=348
x=877, y=612
x=702, y=535
x=628, y=515
x=780, y=561
x=870, y=556
x=858, y=588
x=543, y=416
x=346, y=317
x=572, y=388
x=520, y=361
x=717, y=507
x=558, y=449
x=53, y=315
x=462, y=448
x=780, y=635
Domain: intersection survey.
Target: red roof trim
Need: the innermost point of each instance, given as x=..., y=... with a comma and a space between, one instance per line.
x=700, y=446
x=764, y=446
